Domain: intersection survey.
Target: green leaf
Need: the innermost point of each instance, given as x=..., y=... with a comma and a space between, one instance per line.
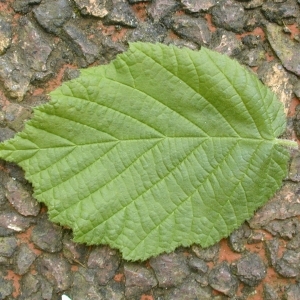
x=162, y=147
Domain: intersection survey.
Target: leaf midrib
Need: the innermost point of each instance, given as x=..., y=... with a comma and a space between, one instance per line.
x=255, y=140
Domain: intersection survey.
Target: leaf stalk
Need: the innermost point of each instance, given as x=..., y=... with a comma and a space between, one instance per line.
x=288, y=143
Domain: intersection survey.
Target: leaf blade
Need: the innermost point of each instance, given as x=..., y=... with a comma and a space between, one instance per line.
x=163, y=147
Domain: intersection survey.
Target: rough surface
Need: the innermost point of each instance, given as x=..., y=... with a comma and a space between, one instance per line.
x=96, y=8
x=148, y=32
x=296, y=121
x=24, y=259
x=286, y=229
x=24, y=59
x=45, y=42
x=24, y=6
x=105, y=262
x=288, y=264
x=47, y=236
x=195, y=30
x=281, y=12
x=56, y=270
x=121, y=14
x=6, y=287
x=284, y=205
x=194, y=6
x=5, y=34
x=270, y=293
x=11, y=222
x=161, y=10
x=221, y=279
x=272, y=247
x=170, y=269
x=294, y=173
x=252, y=3
x=21, y=199
x=292, y=292
x=198, y=265
x=226, y=42
x=53, y=14
x=277, y=79
x=238, y=238
x=139, y=279
x=250, y=269
x=286, y=49
x=229, y=15
x=207, y=254
x=8, y=246
x=82, y=44
x=189, y=289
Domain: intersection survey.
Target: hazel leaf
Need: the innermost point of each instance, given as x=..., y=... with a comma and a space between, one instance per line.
x=163, y=147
